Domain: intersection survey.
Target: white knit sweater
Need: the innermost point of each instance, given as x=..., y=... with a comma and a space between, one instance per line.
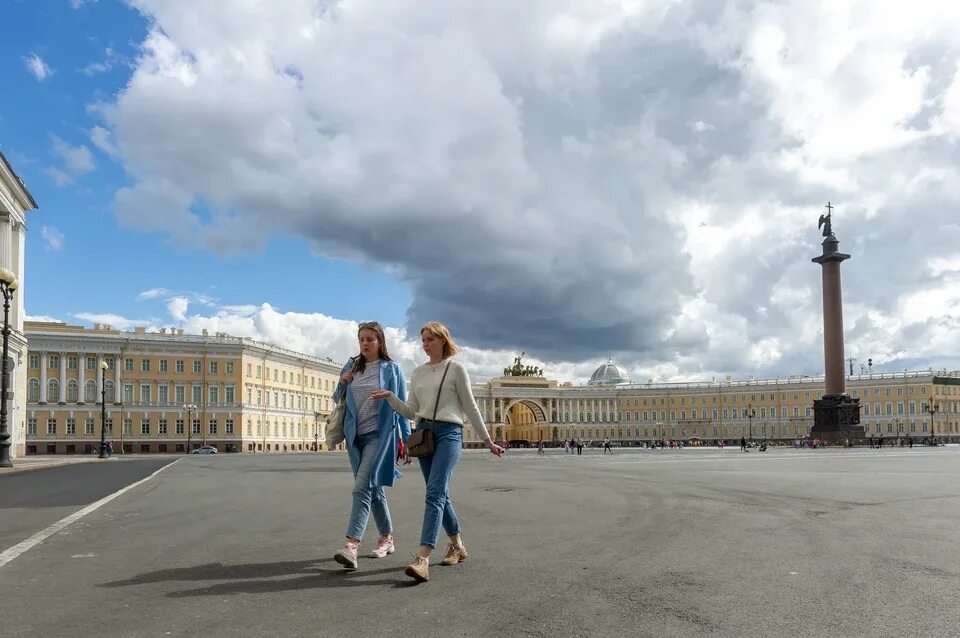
x=457, y=404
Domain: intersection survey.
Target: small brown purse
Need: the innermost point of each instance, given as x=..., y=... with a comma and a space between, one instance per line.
x=420, y=441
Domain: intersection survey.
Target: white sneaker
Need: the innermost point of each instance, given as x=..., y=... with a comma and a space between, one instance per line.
x=384, y=547
x=347, y=556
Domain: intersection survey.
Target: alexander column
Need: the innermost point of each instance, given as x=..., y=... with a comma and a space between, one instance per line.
x=836, y=415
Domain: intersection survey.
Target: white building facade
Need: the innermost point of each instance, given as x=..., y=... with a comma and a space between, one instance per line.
x=15, y=202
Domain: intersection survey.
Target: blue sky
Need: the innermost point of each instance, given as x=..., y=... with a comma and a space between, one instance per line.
x=576, y=180
x=99, y=266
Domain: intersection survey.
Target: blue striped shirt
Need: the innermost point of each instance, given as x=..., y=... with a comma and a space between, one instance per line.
x=368, y=411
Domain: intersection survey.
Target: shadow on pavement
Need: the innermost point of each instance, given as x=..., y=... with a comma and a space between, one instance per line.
x=245, y=575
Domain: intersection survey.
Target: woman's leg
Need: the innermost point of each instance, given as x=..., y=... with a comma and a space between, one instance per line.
x=381, y=511
x=437, y=471
x=362, y=492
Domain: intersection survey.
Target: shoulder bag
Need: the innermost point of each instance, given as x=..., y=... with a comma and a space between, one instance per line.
x=334, y=430
x=420, y=442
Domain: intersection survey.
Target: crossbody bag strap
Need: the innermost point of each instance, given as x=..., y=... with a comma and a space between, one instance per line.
x=444, y=378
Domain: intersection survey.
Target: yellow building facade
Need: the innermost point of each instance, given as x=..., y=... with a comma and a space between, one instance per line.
x=531, y=409
x=170, y=392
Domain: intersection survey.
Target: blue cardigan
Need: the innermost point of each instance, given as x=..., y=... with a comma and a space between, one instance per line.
x=385, y=464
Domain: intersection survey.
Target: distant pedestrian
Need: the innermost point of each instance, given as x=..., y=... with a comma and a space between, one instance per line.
x=910, y=441
x=540, y=447
x=579, y=446
x=743, y=444
x=606, y=446
x=880, y=443
x=371, y=440
x=441, y=400
x=109, y=448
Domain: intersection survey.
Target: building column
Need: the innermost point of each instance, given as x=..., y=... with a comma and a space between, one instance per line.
x=43, y=377
x=82, y=365
x=117, y=390
x=63, y=377
x=99, y=372
x=6, y=247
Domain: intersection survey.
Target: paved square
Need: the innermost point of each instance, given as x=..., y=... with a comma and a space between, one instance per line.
x=691, y=542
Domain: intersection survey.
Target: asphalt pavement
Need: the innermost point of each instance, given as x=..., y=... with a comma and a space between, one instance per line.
x=641, y=543
x=30, y=501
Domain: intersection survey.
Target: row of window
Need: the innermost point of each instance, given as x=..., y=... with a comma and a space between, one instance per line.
x=179, y=365
x=280, y=429
x=736, y=430
x=53, y=391
x=146, y=425
x=767, y=397
x=743, y=413
x=280, y=376
x=280, y=401
x=673, y=431
x=73, y=363
x=146, y=393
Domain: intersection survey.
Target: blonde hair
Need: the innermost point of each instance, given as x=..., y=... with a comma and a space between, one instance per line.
x=440, y=331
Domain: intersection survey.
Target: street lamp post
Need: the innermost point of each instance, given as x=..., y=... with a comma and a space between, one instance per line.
x=8, y=284
x=932, y=408
x=750, y=414
x=103, y=409
x=189, y=407
x=316, y=431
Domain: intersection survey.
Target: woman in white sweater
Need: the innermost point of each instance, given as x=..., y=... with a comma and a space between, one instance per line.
x=440, y=398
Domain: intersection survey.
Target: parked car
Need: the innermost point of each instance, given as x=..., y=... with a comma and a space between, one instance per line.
x=206, y=449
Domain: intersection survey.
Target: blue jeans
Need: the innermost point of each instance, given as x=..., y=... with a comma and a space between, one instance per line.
x=437, y=471
x=365, y=497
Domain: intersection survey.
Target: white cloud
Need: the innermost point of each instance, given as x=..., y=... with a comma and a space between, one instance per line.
x=153, y=293
x=111, y=60
x=40, y=69
x=58, y=175
x=78, y=159
x=76, y=4
x=178, y=308
x=41, y=318
x=639, y=180
x=53, y=239
x=101, y=139
x=118, y=322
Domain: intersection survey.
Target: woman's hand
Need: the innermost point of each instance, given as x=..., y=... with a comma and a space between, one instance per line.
x=347, y=377
x=380, y=394
x=495, y=449
x=407, y=459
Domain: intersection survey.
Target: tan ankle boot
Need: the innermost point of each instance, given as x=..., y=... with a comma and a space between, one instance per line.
x=419, y=569
x=455, y=554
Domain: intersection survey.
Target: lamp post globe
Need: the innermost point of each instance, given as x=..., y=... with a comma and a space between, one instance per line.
x=8, y=284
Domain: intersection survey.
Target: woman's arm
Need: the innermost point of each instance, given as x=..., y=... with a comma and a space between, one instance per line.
x=342, y=383
x=468, y=403
x=402, y=395
x=405, y=408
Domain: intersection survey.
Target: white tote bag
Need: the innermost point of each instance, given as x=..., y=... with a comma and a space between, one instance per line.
x=334, y=430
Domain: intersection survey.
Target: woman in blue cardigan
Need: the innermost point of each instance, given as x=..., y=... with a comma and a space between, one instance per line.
x=370, y=429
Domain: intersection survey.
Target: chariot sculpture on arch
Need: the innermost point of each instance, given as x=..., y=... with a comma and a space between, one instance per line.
x=520, y=370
